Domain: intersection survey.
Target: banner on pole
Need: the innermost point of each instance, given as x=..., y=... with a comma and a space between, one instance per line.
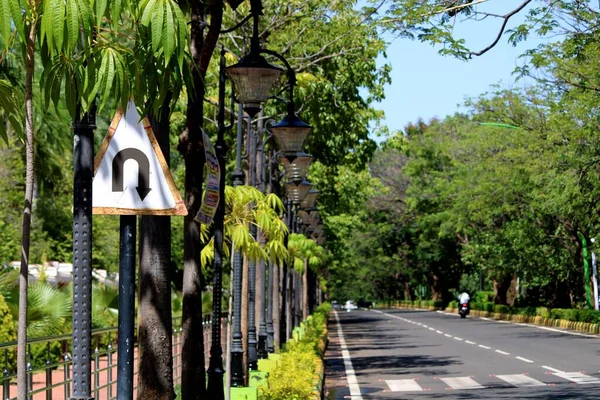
x=210, y=200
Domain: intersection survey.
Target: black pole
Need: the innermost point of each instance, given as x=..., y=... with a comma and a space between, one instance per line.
x=270, y=284
x=83, y=171
x=215, y=367
x=252, y=342
x=126, y=307
x=237, y=351
x=262, y=328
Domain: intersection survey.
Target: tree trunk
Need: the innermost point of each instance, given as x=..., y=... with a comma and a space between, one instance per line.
x=305, y=291
x=276, y=307
x=26, y=226
x=244, y=313
x=501, y=287
x=155, y=378
x=436, y=292
x=193, y=380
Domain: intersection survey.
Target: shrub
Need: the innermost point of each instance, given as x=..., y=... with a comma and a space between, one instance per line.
x=591, y=316
x=502, y=309
x=8, y=332
x=542, y=312
x=483, y=297
x=293, y=378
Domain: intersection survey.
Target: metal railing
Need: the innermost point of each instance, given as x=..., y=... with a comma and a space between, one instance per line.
x=49, y=363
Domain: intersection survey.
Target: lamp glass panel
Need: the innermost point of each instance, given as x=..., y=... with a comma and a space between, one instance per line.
x=253, y=84
x=310, y=199
x=296, y=170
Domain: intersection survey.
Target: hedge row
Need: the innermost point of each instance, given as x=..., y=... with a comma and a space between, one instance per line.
x=567, y=314
x=427, y=304
x=299, y=374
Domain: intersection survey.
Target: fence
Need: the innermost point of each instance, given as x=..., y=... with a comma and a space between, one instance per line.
x=49, y=363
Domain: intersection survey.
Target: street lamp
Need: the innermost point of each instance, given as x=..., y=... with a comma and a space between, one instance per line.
x=253, y=77
x=310, y=199
x=296, y=168
x=297, y=191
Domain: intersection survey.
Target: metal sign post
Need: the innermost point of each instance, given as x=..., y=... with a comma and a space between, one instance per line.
x=131, y=178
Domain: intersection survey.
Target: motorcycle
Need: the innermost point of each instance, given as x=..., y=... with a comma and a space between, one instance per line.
x=463, y=310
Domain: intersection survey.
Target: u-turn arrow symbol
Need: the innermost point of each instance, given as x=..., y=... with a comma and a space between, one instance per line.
x=143, y=187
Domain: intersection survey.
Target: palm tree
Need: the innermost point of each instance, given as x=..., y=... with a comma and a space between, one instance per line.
x=305, y=254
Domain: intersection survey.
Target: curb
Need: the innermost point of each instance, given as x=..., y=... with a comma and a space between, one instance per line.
x=583, y=327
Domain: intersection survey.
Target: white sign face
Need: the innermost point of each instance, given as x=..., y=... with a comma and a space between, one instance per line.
x=131, y=175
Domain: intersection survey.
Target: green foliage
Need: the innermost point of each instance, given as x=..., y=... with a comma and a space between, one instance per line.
x=8, y=332
x=293, y=379
x=10, y=108
x=49, y=309
x=245, y=206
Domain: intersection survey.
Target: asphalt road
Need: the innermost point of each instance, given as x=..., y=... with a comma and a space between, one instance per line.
x=401, y=354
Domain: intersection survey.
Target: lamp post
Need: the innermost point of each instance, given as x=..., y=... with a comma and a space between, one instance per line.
x=215, y=367
x=253, y=78
x=262, y=329
x=237, y=351
x=252, y=340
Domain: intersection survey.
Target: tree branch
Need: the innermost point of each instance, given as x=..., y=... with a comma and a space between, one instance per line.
x=502, y=28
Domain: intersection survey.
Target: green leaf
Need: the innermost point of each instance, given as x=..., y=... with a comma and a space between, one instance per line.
x=72, y=25
x=170, y=36
x=100, y=10
x=86, y=16
x=5, y=21
x=108, y=80
x=116, y=12
x=148, y=9
x=157, y=24
x=15, y=11
x=182, y=30
x=58, y=24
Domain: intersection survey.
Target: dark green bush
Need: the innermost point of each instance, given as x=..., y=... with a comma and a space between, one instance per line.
x=542, y=312
x=502, y=309
x=591, y=316
x=557, y=313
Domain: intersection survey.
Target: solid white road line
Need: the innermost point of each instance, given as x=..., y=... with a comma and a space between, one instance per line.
x=484, y=347
x=520, y=380
x=404, y=385
x=350, y=376
x=502, y=352
x=551, y=369
x=461, y=383
x=577, y=377
x=557, y=330
x=524, y=359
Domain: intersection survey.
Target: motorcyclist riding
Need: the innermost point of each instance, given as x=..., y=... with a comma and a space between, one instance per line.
x=463, y=304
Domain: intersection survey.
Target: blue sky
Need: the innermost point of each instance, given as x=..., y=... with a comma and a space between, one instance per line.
x=426, y=84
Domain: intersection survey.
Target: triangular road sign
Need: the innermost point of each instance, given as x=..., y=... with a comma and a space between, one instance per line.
x=131, y=176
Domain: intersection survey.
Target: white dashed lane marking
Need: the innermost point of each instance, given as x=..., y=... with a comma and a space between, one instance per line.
x=524, y=359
